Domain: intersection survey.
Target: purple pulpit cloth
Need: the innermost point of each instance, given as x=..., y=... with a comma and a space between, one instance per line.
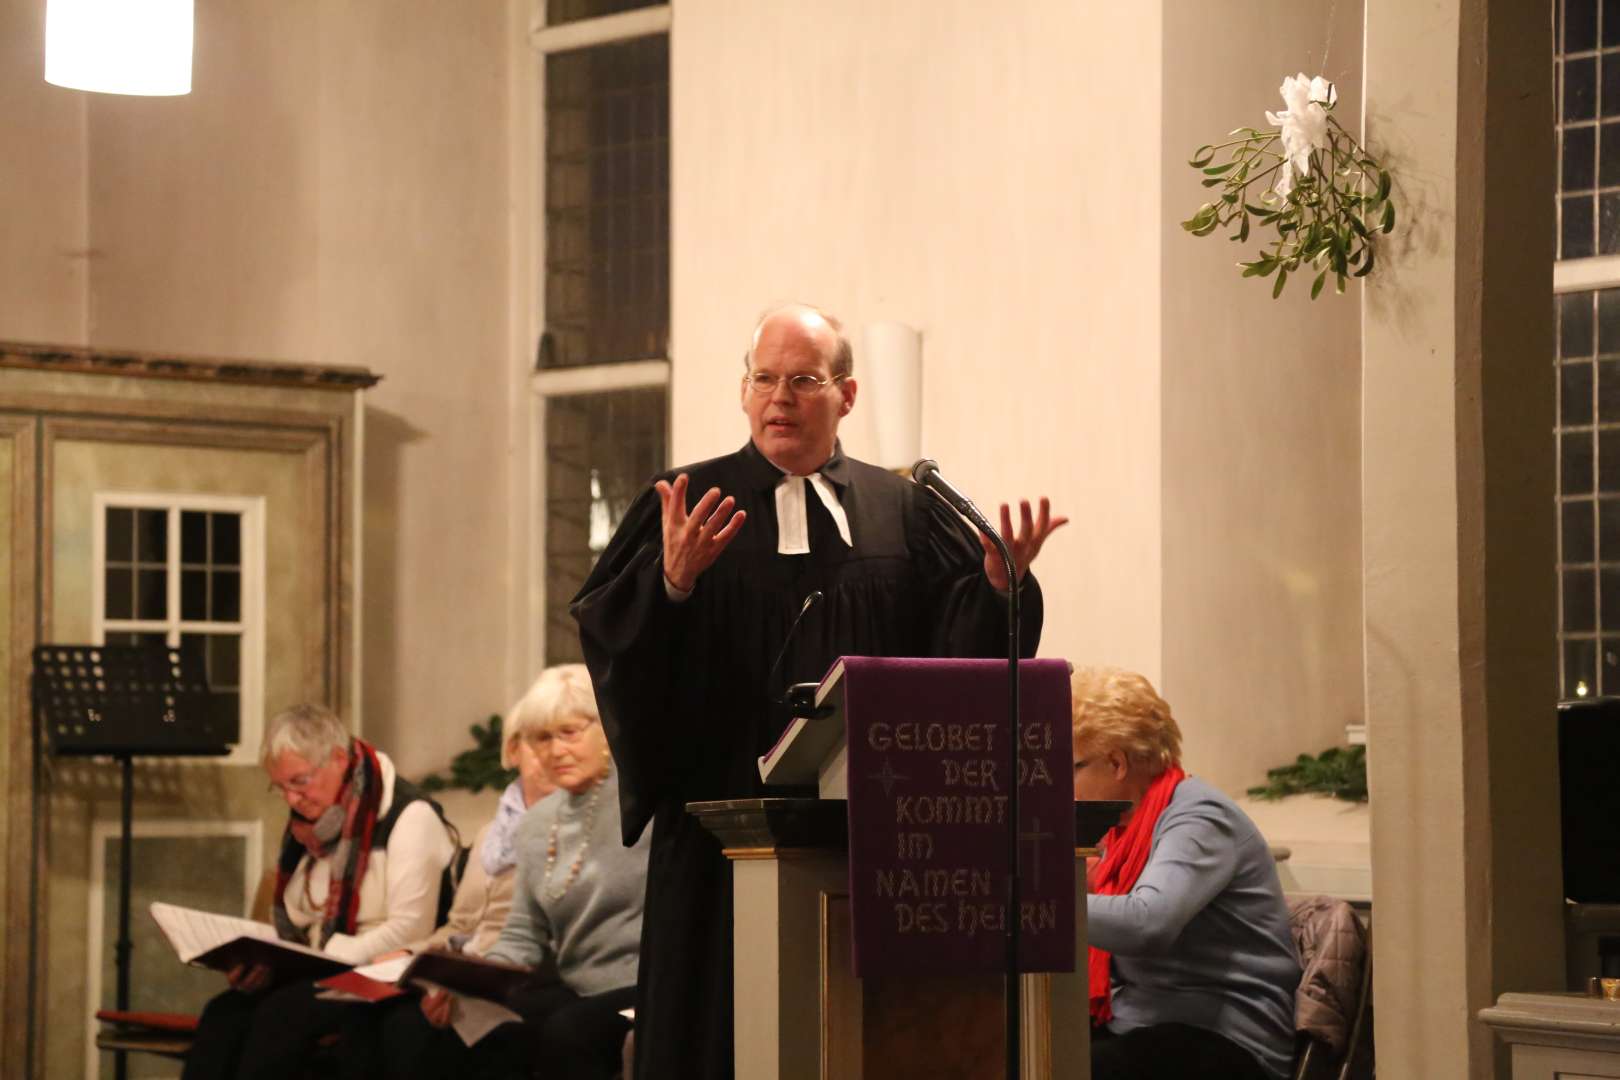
x=928, y=803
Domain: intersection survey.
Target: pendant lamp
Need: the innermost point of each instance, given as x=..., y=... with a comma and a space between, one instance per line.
x=119, y=46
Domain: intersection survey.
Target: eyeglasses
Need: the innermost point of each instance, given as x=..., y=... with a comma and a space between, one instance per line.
x=294, y=783
x=570, y=732
x=766, y=382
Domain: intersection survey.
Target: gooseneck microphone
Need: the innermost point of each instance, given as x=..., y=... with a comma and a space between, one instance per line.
x=788, y=698
x=926, y=472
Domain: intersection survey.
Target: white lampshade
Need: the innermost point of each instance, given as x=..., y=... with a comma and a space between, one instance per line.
x=119, y=46
x=889, y=369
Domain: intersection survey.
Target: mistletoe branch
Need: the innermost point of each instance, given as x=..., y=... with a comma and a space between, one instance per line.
x=1328, y=219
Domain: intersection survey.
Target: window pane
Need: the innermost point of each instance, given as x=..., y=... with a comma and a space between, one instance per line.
x=225, y=605
x=1609, y=532
x=1580, y=668
x=151, y=594
x=1608, y=478
x=1575, y=393
x=1578, y=541
x=152, y=536
x=1608, y=223
x=561, y=11
x=193, y=536
x=227, y=550
x=1575, y=324
x=120, y=534
x=1580, y=158
x=1610, y=673
x=601, y=450
x=1608, y=320
x=1580, y=25
x=607, y=200
x=1576, y=233
x=1580, y=601
x=118, y=601
x=1609, y=97
x=1580, y=89
x=1575, y=468
x=194, y=595
x=1609, y=602
x=1611, y=23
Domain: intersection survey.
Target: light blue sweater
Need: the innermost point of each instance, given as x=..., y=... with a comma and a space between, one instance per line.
x=594, y=928
x=1203, y=938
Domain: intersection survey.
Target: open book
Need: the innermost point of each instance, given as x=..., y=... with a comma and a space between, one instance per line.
x=221, y=942
x=479, y=986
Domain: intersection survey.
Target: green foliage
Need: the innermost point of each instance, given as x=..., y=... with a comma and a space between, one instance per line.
x=1327, y=224
x=1339, y=771
x=478, y=768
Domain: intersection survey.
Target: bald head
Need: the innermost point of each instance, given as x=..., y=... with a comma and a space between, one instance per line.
x=796, y=325
x=796, y=426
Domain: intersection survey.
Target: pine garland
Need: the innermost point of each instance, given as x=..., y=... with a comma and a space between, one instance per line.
x=1339, y=771
x=478, y=768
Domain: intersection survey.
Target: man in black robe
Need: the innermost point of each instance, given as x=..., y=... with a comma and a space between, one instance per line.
x=687, y=608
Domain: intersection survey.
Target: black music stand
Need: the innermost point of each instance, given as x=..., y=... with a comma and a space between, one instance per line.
x=124, y=701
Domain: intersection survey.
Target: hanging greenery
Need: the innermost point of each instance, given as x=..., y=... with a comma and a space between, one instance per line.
x=478, y=768
x=1325, y=199
x=1340, y=771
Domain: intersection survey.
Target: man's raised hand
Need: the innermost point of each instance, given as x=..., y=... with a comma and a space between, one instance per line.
x=1032, y=533
x=693, y=540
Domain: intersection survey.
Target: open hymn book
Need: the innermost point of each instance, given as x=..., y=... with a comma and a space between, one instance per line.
x=222, y=942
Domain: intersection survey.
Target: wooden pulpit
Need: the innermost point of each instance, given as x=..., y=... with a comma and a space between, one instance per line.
x=902, y=975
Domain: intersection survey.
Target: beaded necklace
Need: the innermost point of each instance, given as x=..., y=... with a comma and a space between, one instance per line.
x=584, y=846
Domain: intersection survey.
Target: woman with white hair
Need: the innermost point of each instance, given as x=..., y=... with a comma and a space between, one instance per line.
x=1192, y=965
x=359, y=874
x=484, y=895
x=575, y=918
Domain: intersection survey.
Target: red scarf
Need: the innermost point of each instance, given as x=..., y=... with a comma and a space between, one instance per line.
x=360, y=797
x=1125, y=854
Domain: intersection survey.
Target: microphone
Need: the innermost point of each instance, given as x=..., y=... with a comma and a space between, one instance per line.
x=798, y=698
x=926, y=472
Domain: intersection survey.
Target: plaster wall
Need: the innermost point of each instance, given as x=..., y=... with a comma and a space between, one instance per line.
x=1260, y=413
x=1457, y=531
x=989, y=178
x=43, y=218
x=333, y=190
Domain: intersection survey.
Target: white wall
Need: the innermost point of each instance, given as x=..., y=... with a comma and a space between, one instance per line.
x=1261, y=415
x=334, y=191
x=986, y=174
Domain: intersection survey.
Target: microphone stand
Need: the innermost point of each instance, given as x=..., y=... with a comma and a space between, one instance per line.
x=1014, y=1007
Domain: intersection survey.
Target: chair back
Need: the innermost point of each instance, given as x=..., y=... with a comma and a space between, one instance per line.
x=1333, y=1022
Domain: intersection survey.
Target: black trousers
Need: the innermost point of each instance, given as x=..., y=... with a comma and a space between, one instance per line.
x=1170, y=1052
x=266, y=1036
x=563, y=1036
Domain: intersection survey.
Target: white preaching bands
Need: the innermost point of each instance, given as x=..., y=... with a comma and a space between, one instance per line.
x=792, y=520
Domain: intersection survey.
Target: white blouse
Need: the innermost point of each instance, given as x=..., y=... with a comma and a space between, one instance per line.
x=399, y=896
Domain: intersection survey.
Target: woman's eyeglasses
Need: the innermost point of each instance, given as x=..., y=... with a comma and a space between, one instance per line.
x=570, y=732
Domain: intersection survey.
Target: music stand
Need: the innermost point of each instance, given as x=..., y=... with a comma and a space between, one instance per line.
x=122, y=701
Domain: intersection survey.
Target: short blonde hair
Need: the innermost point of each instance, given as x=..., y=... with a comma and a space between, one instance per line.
x=310, y=730
x=1115, y=709
x=560, y=692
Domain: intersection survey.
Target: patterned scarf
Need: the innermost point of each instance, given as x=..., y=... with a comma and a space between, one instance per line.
x=1125, y=854
x=359, y=799
x=499, y=849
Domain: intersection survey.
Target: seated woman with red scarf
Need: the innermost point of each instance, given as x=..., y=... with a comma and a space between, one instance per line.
x=359, y=875
x=1193, y=968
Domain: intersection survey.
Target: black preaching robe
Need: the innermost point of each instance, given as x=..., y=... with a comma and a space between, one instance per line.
x=684, y=701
